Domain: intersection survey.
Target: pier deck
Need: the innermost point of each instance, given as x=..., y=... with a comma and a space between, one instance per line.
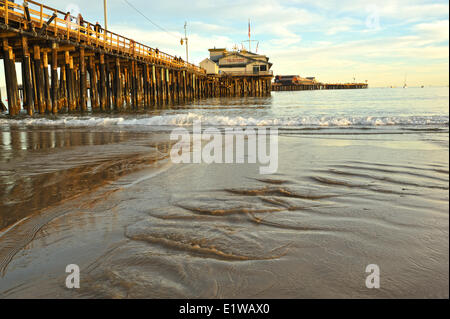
x=318, y=86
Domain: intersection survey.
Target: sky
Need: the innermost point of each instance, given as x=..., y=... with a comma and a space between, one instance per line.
x=380, y=41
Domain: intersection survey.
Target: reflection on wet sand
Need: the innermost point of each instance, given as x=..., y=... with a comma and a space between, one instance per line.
x=39, y=168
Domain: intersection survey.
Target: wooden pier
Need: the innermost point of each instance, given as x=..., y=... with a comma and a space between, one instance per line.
x=318, y=86
x=66, y=67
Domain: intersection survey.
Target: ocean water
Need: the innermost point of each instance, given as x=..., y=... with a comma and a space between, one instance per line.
x=306, y=109
x=362, y=179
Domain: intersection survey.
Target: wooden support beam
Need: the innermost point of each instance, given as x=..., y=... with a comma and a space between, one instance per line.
x=177, y=86
x=138, y=86
x=162, y=85
x=93, y=91
x=69, y=81
x=46, y=24
x=54, y=78
x=108, y=84
x=66, y=48
x=118, y=86
x=15, y=83
x=145, y=84
x=149, y=85
x=39, y=79
x=63, y=101
x=194, y=96
x=76, y=83
x=83, y=84
x=134, y=85
x=154, y=86
x=184, y=87
x=10, y=74
x=27, y=79
x=47, y=96
x=8, y=35
x=141, y=85
x=102, y=86
x=73, y=84
x=169, y=86
x=127, y=86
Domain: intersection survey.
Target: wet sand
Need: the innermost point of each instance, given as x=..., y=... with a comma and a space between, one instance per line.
x=141, y=227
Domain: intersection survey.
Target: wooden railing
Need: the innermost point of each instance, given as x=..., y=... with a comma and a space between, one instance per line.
x=86, y=34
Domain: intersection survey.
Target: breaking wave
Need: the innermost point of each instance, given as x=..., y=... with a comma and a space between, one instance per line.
x=188, y=119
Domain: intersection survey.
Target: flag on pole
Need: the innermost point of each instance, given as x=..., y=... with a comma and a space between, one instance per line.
x=249, y=28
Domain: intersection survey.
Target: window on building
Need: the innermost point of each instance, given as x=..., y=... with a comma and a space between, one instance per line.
x=263, y=67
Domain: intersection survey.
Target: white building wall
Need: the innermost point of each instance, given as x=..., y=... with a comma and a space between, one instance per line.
x=209, y=66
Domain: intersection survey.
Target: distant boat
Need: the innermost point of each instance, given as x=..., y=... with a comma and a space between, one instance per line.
x=404, y=83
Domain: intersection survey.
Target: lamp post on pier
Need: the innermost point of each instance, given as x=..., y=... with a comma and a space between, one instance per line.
x=105, y=13
x=185, y=40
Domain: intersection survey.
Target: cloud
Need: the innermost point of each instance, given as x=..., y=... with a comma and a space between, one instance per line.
x=199, y=26
x=404, y=10
x=435, y=31
x=341, y=25
x=170, y=42
x=382, y=61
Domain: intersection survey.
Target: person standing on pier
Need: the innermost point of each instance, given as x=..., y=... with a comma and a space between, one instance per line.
x=80, y=22
x=98, y=29
x=68, y=19
x=132, y=46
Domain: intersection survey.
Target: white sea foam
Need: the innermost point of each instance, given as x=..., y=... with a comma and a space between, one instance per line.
x=187, y=119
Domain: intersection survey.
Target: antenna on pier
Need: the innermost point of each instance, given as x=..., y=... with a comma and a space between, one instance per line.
x=250, y=39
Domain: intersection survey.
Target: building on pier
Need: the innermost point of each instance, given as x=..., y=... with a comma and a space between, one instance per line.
x=238, y=62
x=246, y=73
x=297, y=83
x=210, y=66
x=294, y=80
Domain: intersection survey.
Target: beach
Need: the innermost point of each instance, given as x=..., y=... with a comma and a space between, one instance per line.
x=362, y=179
